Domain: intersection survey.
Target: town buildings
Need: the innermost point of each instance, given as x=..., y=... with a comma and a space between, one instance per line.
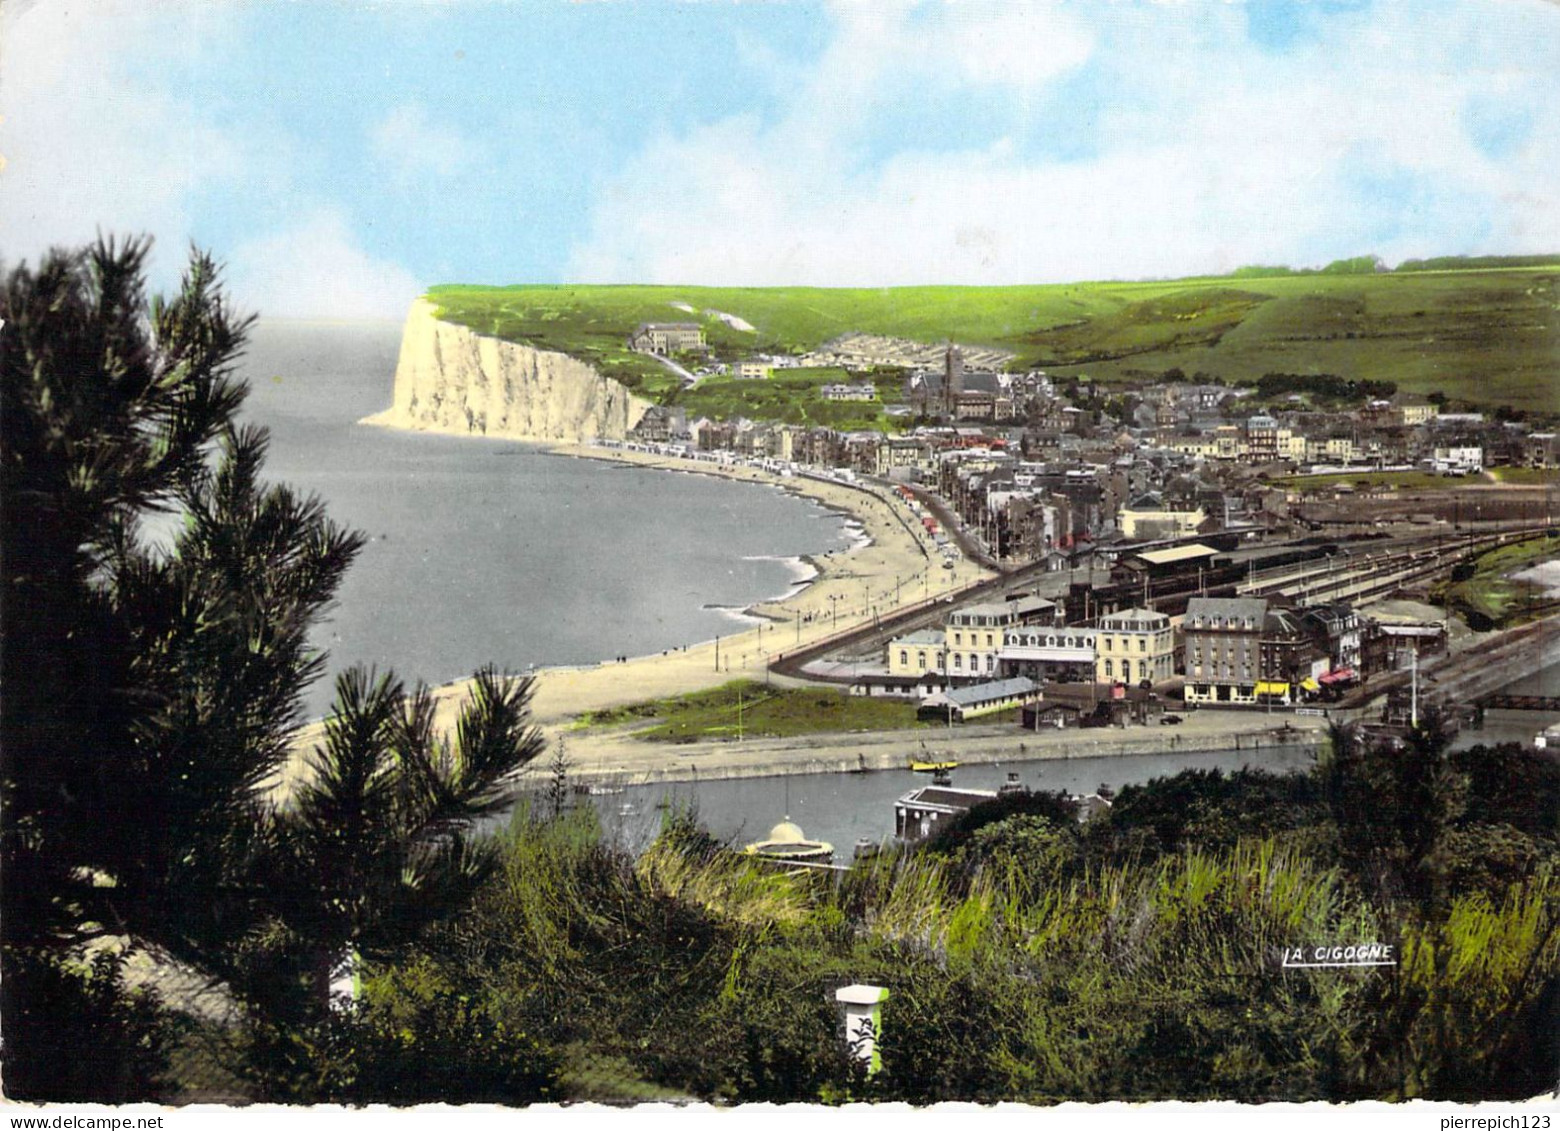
x=958, y=704
x=1289, y=655
x=1161, y=483
x=1134, y=646
x=1048, y=652
x=923, y=811
x=667, y=337
x=918, y=653
x=973, y=638
x=861, y=391
x=1222, y=648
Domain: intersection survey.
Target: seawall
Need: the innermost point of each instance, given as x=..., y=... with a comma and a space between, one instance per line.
x=892, y=750
x=451, y=379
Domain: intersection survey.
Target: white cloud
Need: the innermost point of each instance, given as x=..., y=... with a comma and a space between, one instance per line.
x=315, y=269
x=85, y=147
x=1351, y=144
x=411, y=145
x=1009, y=44
x=96, y=136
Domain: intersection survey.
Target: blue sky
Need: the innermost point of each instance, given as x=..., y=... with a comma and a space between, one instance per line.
x=342, y=157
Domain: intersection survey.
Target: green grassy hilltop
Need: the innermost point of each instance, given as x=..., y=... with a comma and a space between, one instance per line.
x=1490, y=335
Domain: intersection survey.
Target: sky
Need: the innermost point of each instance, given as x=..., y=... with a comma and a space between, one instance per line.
x=340, y=158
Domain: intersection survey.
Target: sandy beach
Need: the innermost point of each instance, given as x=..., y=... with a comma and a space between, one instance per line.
x=892, y=565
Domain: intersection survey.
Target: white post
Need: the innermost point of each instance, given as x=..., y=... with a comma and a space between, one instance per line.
x=863, y=1021
x=345, y=984
x=1413, y=695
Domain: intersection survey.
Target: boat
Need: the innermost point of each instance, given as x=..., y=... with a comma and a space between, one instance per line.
x=933, y=767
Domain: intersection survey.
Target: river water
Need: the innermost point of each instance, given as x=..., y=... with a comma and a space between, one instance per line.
x=487, y=551
x=843, y=808
x=1517, y=726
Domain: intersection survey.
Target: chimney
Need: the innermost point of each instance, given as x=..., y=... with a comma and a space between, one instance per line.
x=863, y=1022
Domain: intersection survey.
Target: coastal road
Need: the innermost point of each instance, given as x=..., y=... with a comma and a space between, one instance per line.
x=954, y=526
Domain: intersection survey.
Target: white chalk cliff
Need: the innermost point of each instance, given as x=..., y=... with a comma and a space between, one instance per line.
x=452, y=379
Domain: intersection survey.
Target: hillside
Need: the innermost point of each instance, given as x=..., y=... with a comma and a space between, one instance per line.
x=1490, y=336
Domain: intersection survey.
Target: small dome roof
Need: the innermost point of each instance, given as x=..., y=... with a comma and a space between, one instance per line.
x=787, y=833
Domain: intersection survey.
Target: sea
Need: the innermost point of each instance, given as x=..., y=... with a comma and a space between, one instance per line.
x=494, y=552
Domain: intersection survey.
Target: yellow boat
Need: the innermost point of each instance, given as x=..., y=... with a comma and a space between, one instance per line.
x=933, y=767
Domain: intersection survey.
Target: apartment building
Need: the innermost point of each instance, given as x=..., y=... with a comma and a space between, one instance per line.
x=667, y=337
x=1222, y=648
x=1134, y=645
x=973, y=636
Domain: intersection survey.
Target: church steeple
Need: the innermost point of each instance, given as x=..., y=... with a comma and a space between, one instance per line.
x=953, y=379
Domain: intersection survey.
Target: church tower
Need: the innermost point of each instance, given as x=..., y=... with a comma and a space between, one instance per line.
x=953, y=380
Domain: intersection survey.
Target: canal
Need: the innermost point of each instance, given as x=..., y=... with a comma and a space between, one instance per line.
x=1517, y=726
x=844, y=808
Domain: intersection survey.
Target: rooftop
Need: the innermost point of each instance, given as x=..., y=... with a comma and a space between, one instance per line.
x=1177, y=554
x=1123, y=615
x=946, y=795
x=1240, y=608
x=984, y=692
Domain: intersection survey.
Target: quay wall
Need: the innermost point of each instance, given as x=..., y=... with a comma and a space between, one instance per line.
x=890, y=751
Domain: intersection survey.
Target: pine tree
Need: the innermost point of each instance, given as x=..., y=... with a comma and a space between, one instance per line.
x=151, y=693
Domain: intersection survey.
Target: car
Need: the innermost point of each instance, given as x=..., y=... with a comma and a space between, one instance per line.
x=1169, y=720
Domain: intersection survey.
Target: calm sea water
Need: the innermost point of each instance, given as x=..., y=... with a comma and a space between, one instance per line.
x=487, y=551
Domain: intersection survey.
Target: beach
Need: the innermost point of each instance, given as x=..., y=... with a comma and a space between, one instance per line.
x=892, y=564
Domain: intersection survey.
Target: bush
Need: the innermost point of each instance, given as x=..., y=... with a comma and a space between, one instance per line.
x=94, y=1041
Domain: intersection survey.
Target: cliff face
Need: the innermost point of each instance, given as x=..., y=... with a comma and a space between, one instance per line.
x=451, y=379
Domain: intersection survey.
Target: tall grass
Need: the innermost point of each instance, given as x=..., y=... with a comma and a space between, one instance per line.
x=1035, y=974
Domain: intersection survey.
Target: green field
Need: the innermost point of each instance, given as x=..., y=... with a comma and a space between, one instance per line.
x=1406, y=480
x=755, y=709
x=1485, y=336
x=1524, y=475
x=792, y=396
